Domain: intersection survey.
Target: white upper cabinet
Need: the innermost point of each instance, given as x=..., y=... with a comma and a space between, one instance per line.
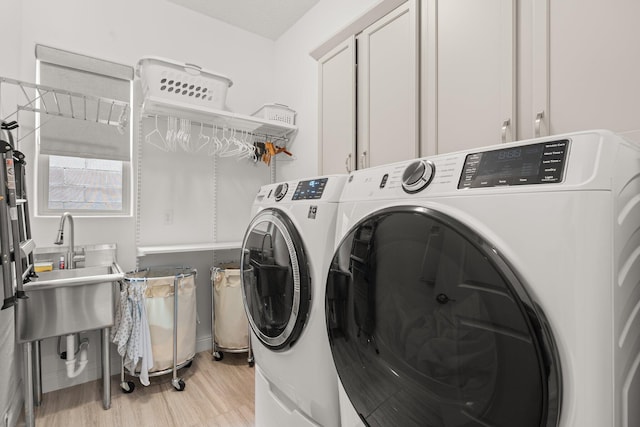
x=388, y=96
x=468, y=74
x=368, y=90
x=490, y=71
x=594, y=57
x=577, y=66
x=337, y=109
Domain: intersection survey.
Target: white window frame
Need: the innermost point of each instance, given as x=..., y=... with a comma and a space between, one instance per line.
x=42, y=171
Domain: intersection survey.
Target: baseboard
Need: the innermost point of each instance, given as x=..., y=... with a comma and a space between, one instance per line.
x=204, y=344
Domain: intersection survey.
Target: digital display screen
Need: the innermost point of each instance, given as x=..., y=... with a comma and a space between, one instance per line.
x=309, y=190
x=541, y=163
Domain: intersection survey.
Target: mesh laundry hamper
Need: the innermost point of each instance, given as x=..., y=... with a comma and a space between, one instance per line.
x=230, y=328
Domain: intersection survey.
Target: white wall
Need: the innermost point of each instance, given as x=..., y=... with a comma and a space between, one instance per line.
x=124, y=31
x=296, y=77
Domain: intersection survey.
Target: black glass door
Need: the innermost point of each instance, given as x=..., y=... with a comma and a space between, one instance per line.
x=275, y=279
x=428, y=326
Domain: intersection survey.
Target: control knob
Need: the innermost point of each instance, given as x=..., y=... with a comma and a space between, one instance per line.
x=417, y=176
x=281, y=191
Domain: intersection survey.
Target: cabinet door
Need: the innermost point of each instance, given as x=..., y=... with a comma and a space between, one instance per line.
x=539, y=119
x=594, y=61
x=388, y=88
x=337, y=109
x=475, y=74
x=533, y=68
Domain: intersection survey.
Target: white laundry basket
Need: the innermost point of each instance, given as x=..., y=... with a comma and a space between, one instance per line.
x=164, y=300
x=183, y=82
x=277, y=112
x=159, y=302
x=230, y=327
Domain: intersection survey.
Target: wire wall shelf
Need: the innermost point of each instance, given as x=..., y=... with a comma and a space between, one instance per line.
x=55, y=102
x=222, y=119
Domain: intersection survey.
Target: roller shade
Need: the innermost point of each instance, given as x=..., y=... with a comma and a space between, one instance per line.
x=91, y=76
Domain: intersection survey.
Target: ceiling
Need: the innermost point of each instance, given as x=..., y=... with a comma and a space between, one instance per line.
x=267, y=18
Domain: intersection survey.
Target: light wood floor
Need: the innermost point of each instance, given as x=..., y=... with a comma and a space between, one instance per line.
x=216, y=394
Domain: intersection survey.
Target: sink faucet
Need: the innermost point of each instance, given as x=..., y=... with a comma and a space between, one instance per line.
x=71, y=255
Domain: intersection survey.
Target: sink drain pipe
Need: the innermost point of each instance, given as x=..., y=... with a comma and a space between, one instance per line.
x=72, y=370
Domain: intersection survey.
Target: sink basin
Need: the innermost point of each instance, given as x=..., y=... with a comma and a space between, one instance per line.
x=62, y=302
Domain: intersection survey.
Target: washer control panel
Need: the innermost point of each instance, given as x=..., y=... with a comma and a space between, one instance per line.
x=541, y=163
x=581, y=160
x=310, y=190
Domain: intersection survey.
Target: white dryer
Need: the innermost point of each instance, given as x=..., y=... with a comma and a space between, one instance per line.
x=494, y=287
x=285, y=257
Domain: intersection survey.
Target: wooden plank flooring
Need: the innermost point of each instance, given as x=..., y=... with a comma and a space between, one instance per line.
x=216, y=394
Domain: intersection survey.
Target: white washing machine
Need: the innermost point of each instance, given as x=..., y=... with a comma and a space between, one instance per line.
x=285, y=257
x=493, y=287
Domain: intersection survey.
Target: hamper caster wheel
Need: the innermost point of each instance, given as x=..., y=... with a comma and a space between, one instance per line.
x=178, y=384
x=127, y=387
x=251, y=362
x=218, y=355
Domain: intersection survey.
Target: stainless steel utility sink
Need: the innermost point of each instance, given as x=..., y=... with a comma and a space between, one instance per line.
x=63, y=302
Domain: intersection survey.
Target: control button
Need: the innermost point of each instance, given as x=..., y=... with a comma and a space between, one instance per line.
x=281, y=191
x=417, y=176
x=413, y=173
x=385, y=177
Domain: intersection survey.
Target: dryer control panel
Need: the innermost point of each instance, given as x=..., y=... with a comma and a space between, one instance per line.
x=541, y=163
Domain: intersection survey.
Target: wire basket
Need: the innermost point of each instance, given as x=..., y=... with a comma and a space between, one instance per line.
x=182, y=82
x=277, y=112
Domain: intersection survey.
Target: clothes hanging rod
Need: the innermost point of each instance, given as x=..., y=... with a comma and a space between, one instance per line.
x=260, y=135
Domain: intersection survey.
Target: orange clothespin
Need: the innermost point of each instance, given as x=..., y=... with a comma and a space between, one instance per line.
x=270, y=151
x=283, y=150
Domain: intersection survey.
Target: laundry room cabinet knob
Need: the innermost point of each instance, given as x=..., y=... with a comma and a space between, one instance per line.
x=417, y=176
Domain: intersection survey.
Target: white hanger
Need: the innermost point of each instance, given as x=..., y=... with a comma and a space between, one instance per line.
x=155, y=138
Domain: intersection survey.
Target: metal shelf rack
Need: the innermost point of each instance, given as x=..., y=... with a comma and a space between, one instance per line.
x=63, y=103
x=224, y=119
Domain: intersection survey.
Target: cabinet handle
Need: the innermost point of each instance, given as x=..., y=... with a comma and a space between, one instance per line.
x=363, y=158
x=347, y=163
x=536, y=124
x=505, y=126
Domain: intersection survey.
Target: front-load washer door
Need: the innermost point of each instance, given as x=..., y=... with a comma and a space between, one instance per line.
x=429, y=326
x=275, y=279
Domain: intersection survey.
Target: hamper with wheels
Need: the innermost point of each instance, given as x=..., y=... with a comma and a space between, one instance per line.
x=166, y=331
x=229, y=324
